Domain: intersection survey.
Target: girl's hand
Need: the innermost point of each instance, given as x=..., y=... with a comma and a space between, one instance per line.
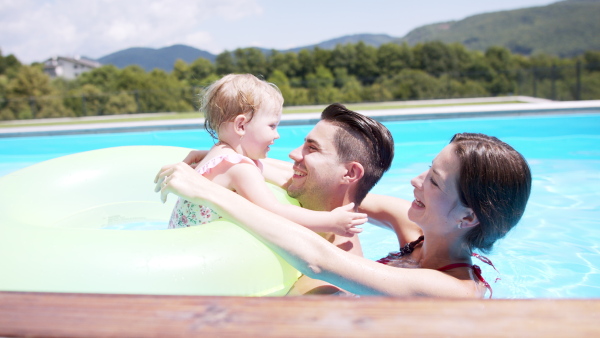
x=346, y=220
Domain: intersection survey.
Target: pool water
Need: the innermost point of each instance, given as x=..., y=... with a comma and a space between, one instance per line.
x=554, y=252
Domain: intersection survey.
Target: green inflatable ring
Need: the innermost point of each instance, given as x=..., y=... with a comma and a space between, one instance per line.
x=51, y=220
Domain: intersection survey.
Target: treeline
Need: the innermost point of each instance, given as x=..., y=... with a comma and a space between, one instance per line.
x=348, y=73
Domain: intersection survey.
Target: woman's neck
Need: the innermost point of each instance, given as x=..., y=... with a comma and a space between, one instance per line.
x=439, y=251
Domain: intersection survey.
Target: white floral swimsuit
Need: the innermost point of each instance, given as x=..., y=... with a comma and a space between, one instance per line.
x=186, y=214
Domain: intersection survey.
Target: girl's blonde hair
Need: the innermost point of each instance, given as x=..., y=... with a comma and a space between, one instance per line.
x=232, y=95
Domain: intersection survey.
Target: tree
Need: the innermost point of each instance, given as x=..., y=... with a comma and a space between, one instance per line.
x=435, y=58
x=251, y=61
x=224, y=63
x=106, y=78
x=284, y=62
x=411, y=84
x=181, y=70
x=30, y=95
x=366, y=69
x=87, y=100
x=592, y=60
x=9, y=64
x=393, y=58
x=307, y=63
x=283, y=83
x=122, y=103
x=199, y=71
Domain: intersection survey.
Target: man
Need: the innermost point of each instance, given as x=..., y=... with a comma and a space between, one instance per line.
x=342, y=158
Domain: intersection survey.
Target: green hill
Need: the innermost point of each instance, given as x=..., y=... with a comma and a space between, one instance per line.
x=150, y=58
x=565, y=29
x=375, y=40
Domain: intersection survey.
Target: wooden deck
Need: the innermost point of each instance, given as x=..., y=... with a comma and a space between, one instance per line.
x=94, y=315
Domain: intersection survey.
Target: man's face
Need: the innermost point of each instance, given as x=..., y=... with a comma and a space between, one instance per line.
x=317, y=171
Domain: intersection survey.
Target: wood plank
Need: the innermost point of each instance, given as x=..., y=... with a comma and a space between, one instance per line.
x=97, y=315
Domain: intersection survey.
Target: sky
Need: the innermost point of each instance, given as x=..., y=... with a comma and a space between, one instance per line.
x=35, y=30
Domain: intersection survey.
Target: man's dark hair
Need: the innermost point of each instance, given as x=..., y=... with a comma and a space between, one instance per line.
x=363, y=140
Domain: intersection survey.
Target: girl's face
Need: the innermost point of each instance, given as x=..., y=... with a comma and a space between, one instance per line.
x=436, y=204
x=261, y=131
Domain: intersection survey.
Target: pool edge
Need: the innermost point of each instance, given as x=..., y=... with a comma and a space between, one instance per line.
x=382, y=115
x=91, y=315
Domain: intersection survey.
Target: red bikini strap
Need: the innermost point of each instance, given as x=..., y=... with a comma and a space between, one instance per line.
x=476, y=270
x=453, y=266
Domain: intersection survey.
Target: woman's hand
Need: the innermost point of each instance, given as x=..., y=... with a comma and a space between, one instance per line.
x=179, y=179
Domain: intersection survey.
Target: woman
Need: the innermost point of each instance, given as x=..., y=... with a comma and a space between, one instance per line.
x=474, y=193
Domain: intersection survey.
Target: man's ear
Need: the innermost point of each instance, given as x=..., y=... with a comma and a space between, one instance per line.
x=354, y=172
x=239, y=124
x=470, y=220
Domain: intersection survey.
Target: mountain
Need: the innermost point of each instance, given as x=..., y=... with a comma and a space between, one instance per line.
x=149, y=58
x=565, y=28
x=375, y=40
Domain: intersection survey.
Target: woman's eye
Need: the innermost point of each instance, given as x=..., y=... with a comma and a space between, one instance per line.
x=433, y=182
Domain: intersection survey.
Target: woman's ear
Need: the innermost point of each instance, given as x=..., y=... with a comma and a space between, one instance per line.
x=354, y=172
x=239, y=124
x=470, y=220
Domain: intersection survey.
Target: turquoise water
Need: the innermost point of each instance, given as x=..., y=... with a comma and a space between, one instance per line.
x=553, y=253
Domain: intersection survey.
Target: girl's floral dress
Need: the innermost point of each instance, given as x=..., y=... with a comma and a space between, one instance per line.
x=187, y=214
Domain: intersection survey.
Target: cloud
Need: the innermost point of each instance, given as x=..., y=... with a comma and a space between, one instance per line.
x=34, y=30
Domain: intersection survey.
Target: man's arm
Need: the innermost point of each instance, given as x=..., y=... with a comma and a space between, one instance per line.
x=277, y=172
x=392, y=213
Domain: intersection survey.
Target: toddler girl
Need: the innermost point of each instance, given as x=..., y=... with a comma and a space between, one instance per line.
x=242, y=112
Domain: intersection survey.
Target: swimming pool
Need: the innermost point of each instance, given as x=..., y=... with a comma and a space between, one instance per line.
x=553, y=253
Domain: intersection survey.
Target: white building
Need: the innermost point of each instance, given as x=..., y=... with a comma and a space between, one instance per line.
x=68, y=68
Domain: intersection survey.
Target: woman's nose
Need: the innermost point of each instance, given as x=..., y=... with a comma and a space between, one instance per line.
x=417, y=182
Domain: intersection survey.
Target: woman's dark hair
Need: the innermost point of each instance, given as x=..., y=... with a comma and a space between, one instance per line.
x=495, y=182
x=364, y=140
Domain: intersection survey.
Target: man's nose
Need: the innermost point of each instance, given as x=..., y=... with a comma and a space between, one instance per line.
x=296, y=154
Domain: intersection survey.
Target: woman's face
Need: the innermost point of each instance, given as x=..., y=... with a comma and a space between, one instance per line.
x=436, y=204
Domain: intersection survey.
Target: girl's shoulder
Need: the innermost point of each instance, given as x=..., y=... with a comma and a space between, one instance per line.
x=231, y=158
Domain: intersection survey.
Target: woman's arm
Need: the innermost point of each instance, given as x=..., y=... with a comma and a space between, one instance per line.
x=392, y=213
x=304, y=249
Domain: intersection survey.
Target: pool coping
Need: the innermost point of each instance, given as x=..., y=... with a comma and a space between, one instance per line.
x=109, y=315
x=402, y=114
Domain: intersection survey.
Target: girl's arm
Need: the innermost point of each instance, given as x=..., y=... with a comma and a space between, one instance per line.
x=248, y=182
x=274, y=171
x=392, y=213
x=304, y=249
